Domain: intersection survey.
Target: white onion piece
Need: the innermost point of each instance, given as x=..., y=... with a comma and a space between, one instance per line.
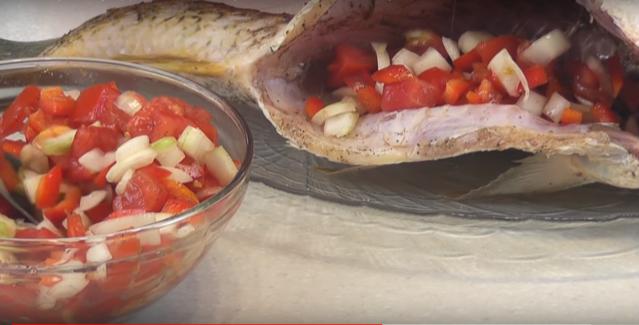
x=533, y=104
x=69, y=285
x=508, y=73
x=340, y=125
x=546, y=48
x=128, y=102
x=124, y=181
x=100, y=273
x=150, y=237
x=99, y=253
x=169, y=154
x=95, y=160
x=451, y=48
x=469, y=39
x=221, y=165
x=30, y=184
x=195, y=143
x=383, y=60
x=122, y=223
x=131, y=147
x=346, y=105
x=178, y=175
x=184, y=231
x=73, y=93
x=555, y=107
x=135, y=161
x=405, y=57
x=431, y=59
x=33, y=158
x=91, y=200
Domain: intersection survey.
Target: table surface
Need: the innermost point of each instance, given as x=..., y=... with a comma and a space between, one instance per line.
x=287, y=258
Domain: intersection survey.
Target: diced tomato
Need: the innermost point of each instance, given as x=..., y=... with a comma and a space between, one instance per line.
x=124, y=213
x=100, y=179
x=72, y=169
x=473, y=97
x=157, y=122
x=179, y=191
x=61, y=210
x=603, y=114
x=313, y=105
x=6, y=208
x=465, y=61
x=455, y=89
x=75, y=226
x=369, y=98
x=616, y=74
x=173, y=104
x=125, y=247
x=23, y=105
x=536, y=76
x=12, y=147
x=144, y=191
x=92, y=137
x=53, y=101
x=392, y=74
x=349, y=60
x=35, y=233
x=203, y=120
x=571, y=116
x=49, y=188
x=94, y=102
x=100, y=211
x=411, y=93
x=8, y=175
x=420, y=40
x=436, y=76
x=177, y=206
x=488, y=48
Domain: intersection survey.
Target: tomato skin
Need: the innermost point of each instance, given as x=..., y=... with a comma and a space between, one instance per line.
x=368, y=97
x=349, y=60
x=392, y=74
x=23, y=105
x=49, y=188
x=411, y=93
x=54, y=102
x=144, y=191
x=94, y=101
x=313, y=105
x=488, y=48
x=91, y=137
x=465, y=61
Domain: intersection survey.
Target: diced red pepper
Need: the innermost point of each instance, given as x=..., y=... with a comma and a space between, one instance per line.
x=53, y=101
x=8, y=175
x=488, y=48
x=603, y=114
x=61, y=210
x=23, y=105
x=313, y=105
x=75, y=226
x=410, y=93
x=465, y=61
x=349, y=60
x=473, y=97
x=436, y=76
x=571, y=116
x=392, y=74
x=12, y=147
x=369, y=98
x=49, y=188
x=455, y=89
x=616, y=74
x=536, y=76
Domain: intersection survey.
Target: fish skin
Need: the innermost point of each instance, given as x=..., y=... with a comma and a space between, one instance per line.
x=270, y=71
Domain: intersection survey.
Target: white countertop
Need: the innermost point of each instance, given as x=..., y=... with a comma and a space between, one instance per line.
x=287, y=258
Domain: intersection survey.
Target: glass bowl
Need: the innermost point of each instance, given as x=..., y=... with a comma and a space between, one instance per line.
x=33, y=289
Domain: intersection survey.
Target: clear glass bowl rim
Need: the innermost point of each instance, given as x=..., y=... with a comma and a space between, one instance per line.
x=147, y=71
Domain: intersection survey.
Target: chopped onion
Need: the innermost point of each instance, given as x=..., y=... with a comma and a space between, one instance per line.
x=405, y=57
x=184, y=231
x=55, y=141
x=179, y=175
x=383, y=60
x=546, y=48
x=95, y=160
x=431, y=59
x=346, y=105
x=118, y=224
x=151, y=237
x=131, y=147
x=555, y=107
x=124, y=181
x=451, y=48
x=7, y=227
x=30, y=184
x=33, y=158
x=99, y=253
x=340, y=125
x=508, y=73
x=469, y=39
x=128, y=102
x=221, y=165
x=169, y=154
x=91, y=200
x=73, y=93
x=70, y=284
x=195, y=143
x=135, y=161
x=533, y=104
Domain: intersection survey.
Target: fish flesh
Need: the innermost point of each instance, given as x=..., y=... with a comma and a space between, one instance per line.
x=268, y=59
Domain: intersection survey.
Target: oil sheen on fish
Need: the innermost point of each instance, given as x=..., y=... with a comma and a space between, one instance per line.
x=266, y=58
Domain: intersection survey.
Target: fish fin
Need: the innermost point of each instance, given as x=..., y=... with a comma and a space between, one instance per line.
x=179, y=65
x=535, y=174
